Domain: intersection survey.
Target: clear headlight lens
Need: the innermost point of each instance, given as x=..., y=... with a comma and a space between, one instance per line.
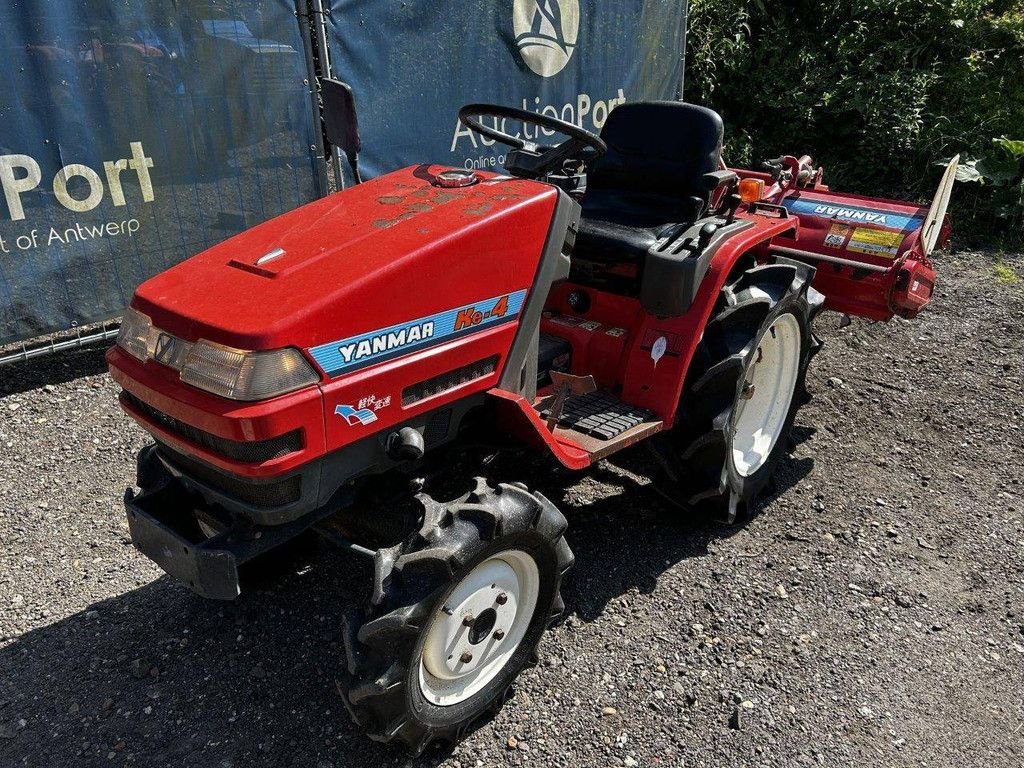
x=239, y=375
x=230, y=373
x=135, y=334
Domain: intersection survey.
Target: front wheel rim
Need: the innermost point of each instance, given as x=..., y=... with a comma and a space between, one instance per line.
x=475, y=632
x=766, y=395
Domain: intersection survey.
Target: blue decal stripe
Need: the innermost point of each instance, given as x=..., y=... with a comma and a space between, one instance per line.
x=378, y=346
x=854, y=214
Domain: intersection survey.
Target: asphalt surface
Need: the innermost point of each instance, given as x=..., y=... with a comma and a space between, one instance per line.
x=871, y=616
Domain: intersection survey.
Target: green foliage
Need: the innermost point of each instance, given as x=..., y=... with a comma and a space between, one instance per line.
x=1001, y=168
x=1005, y=273
x=876, y=90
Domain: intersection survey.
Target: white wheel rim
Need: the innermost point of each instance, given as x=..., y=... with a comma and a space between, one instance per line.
x=476, y=631
x=766, y=395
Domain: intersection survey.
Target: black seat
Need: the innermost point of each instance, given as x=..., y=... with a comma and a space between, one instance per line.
x=652, y=177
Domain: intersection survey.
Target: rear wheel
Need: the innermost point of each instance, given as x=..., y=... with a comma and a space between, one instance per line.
x=457, y=611
x=743, y=390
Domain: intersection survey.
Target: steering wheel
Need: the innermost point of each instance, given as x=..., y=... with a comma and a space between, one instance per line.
x=531, y=159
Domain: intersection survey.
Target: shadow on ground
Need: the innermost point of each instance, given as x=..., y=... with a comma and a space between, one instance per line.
x=168, y=678
x=55, y=369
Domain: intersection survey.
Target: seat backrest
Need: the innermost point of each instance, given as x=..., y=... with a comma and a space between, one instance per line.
x=658, y=153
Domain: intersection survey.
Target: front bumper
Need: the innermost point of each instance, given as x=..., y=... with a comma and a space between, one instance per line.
x=157, y=533
x=162, y=519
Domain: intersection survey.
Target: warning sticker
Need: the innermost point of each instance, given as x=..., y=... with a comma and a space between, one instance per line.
x=836, y=236
x=875, y=242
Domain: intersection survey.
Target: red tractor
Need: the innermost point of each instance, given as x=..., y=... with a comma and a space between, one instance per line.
x=323, y=370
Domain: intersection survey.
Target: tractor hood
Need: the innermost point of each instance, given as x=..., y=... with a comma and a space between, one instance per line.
x=378, y=255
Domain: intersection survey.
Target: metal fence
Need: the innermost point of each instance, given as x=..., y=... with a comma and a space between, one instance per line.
x=135, y=133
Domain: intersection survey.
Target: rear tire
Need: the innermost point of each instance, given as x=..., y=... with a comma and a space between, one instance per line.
x=420, y=670
x=744, y=387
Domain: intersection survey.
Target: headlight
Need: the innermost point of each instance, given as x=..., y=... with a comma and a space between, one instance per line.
x=239, y=375
x=135, y=334
x=223, y=371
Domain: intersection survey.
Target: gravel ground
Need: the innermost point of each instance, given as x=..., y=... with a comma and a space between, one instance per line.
x=871, y=616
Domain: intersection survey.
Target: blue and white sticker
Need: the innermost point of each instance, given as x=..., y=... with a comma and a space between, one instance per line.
x=365, y=412
x=354, y=416
x=855, y=214
x=355, y=352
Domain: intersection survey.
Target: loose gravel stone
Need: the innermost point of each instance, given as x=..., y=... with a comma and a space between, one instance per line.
x=913, y=423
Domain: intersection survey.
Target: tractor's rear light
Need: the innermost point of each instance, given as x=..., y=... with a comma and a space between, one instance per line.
x=135, y=335
x=751, y=190
x=247, y=376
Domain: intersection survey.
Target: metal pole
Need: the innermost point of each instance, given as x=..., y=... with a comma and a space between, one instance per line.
x=318, y=148
x=686, y=29
x=324, y=52
x=801, y=254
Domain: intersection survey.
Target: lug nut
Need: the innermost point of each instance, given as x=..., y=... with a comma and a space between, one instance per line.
x=468, y=619
x=499, y=634
x=501, y=599
x=466, y=657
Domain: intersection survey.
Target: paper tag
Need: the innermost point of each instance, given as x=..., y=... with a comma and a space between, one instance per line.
x=658, y=349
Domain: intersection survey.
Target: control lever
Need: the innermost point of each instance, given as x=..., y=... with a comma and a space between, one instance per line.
x=732, y=204
x=707, y=232
x=566, y=385
x=775, y=166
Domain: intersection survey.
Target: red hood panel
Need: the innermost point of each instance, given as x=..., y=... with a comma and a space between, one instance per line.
x=369, y=257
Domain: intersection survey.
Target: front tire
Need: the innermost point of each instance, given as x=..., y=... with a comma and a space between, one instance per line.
x=457, y=611
x=744, y=387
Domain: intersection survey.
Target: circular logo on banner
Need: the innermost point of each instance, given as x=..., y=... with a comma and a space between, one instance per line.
x=546, y=32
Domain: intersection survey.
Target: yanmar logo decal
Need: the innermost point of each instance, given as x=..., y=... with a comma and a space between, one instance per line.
x=357, y=352
x=857, y=214
x=385, y=342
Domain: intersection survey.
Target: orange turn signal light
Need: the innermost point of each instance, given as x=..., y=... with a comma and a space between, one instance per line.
x=751, y=190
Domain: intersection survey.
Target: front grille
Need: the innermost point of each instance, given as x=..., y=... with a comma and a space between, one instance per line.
x=252, y=452
x=449, y=380
x=260, y=493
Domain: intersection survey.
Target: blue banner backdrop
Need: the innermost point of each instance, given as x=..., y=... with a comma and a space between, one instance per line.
x=136, y=133
x=412, y=64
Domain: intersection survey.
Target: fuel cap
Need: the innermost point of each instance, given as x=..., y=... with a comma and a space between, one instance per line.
x=455, y=178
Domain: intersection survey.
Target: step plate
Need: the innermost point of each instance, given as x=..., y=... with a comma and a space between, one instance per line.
x=599, y=415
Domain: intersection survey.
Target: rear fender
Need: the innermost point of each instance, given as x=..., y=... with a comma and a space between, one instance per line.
x=655, y=370
x=661, y=351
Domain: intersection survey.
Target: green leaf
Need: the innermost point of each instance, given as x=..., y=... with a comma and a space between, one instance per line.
x=966, y=172
x=1014, y=146
x=998, y=170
